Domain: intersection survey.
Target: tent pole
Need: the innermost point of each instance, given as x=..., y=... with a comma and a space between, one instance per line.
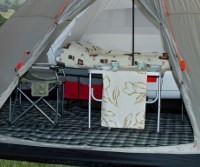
x=133, y=31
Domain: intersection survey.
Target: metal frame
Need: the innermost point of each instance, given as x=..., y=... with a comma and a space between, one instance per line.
x=91, y=95
x=57, y=84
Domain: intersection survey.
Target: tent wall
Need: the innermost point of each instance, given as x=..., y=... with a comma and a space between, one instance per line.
x=112, y=29
x=104, y=23
x=20, y=34
x=29, y=30
x=147, y=36
x=184, y=22
x=113, y=22
x=187, y=34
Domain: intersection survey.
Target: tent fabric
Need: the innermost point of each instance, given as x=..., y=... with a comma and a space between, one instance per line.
x=90, y=14
x=156, y=11
x=15, y=41
x=185, y=21
x=55, y=48
x=107, y=28
x=73, y=8
x=32, y=29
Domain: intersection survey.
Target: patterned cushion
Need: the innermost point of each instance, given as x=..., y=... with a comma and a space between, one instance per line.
x=153, y=58
x=86, y=55
x=83, y=54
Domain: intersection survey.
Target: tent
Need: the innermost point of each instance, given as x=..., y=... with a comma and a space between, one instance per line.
x=178, y=25
x=37, y=24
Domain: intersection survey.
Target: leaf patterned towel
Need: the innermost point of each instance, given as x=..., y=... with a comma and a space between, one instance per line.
x=124, y=99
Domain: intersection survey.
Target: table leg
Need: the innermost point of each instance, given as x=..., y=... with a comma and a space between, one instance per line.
x=159, y=103
x=10, y=109
x=89, y=100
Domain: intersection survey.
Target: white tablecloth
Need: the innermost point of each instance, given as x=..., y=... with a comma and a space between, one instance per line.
x=124, y=99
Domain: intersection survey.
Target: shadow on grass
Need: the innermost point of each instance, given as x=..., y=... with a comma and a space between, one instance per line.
x=9, y=163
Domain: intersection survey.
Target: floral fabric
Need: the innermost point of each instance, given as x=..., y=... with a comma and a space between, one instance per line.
x=124, y=99
x=153, y=58
x=83, y=54
x=86, y=55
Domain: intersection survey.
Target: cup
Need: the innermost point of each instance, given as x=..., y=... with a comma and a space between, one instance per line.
x=141, y=65
x=115, y=64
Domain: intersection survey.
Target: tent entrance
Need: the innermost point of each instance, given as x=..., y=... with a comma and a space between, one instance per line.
x=73, y=128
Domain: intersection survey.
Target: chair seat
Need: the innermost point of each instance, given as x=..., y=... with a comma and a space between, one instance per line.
x=41, y=82
x=33, y=75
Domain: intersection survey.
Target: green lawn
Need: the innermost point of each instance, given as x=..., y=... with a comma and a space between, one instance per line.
x=2, y=20
x=7, y=14
x=10, y=163
x=13, y=1
x=9, y=11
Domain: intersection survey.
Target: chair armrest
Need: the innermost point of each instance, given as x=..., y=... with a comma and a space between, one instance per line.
x=57, y=69
x=45, y=66
x=40, y=67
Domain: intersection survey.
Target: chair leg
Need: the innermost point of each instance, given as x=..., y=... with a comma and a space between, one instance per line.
x=18, y=97
x=182, y=111
x=62, y=98
x=10, y=110
x=12, y=107
x=57, y=105
x=34, y=104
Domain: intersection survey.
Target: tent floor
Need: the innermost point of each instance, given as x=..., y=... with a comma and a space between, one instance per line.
x=73, y=129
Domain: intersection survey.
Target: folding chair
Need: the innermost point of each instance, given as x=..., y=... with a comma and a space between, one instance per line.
x=41, y=79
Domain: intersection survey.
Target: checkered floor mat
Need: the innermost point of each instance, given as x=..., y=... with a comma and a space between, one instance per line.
x=73, y=130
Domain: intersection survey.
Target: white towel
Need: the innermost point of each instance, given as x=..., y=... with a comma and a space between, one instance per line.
x=124, y=99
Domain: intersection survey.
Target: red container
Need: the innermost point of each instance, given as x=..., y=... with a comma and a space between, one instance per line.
x=71, y=90
x=77, y=90
x=151, y=79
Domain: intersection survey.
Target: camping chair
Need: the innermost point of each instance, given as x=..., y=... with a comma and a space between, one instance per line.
x=41, y=79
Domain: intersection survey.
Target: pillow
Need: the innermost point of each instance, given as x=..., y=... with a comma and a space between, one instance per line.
x=152, y=58
x=86, y=55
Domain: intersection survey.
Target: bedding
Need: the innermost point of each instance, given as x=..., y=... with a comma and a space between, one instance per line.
x=170, y=89
x=82, y=54
x=151, y=58
x=86, y=55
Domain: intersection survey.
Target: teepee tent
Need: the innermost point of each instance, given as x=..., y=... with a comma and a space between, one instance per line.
x=39, y=28
x=33, y=26
x=179, y=21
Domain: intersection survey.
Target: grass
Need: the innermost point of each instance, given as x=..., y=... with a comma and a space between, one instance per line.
x=7, y=14
x=12, y=1
x=11, y=163
x=2, y=20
